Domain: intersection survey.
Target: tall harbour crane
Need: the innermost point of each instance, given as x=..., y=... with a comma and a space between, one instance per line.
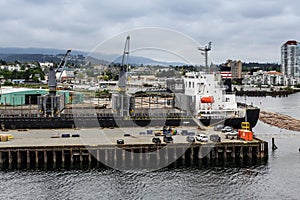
x=50, y=105
x=124, y=67
x=52, y=80
x=121, y=98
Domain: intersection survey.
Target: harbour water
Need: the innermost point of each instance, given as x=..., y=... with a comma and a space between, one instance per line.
x=279, y=178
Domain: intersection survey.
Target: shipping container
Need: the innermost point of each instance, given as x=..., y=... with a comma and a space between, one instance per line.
x=245, y=134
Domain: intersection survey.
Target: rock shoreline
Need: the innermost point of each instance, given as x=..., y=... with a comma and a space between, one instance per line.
x=280, y=120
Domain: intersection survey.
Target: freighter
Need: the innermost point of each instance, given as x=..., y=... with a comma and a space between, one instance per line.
x=213, y=102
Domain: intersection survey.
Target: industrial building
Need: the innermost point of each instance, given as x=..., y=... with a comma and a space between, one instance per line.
x=28, y=96
x=20, y=96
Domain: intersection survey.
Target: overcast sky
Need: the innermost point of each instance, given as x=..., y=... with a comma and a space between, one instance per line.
x=245, y=30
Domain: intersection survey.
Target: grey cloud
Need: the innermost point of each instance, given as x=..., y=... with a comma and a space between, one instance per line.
x=247, y=30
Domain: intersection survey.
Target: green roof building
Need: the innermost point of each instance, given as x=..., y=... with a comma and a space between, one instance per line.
x=28, y=96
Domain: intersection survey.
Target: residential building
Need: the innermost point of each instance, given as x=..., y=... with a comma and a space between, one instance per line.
x=234, y=69
x=290, y=54
x=270, y=78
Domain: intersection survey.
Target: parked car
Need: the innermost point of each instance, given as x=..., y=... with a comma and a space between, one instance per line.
x=232, y=133
x=120, y=141
x=65, y=135
x=168, y=139
x=126, y=134
x=227, y=129
x=215, y=138
x=55, y=135
x=156, y=140
x=190, y=138
x=149, y=132
x=191, y=133
x=202, y=138
x=218, y=127
x=158, y=133
x=184, y=132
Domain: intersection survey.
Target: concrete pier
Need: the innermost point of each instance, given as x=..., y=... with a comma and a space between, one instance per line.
x=117, y=157
x=98, y=148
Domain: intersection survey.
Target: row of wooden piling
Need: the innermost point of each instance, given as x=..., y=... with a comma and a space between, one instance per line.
x=132, y=156
x=264, y=93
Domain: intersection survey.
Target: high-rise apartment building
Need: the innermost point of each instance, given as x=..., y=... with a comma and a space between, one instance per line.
x=290, y=54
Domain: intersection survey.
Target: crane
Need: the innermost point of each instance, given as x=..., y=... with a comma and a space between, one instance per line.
x=121, y=98
x=62, y=65
x=52, y=104
x=124, y=67
x=52, y=80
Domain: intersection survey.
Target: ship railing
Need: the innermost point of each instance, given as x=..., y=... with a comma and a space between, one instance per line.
x=218, y=113
x=231, y=93
x=158, y=115
x=174, y=115
x=213, y=116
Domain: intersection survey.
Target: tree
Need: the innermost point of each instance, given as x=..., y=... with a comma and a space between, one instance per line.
x=3, y=62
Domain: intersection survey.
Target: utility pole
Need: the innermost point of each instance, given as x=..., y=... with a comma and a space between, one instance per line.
x=206, y=49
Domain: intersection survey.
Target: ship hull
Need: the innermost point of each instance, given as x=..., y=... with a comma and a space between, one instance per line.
x=70, y=121
x=86, y=122
x=252, y=116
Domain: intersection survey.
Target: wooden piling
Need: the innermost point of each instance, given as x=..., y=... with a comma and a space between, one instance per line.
x=63, y=154
x=9, y=158
x=28, y=157
x=241, y=152
x=1, y=158
x=19, y=158
x=274, y=147
x=45, y=157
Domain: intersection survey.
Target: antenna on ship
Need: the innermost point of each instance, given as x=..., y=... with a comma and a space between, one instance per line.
x=206, y=49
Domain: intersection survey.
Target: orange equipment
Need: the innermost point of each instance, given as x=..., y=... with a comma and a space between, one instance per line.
x=245, y=134
x=207, y=99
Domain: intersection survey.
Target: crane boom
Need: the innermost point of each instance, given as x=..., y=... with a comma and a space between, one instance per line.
x=52, y=81
x=62, y=65
x=124, y=66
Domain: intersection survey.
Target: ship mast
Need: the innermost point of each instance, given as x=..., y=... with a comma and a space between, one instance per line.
x=206, y=49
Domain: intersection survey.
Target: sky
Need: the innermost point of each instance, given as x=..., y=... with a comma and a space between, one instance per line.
x=250, y=31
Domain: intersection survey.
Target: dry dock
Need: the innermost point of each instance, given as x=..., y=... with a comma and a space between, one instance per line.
x=98, y=147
